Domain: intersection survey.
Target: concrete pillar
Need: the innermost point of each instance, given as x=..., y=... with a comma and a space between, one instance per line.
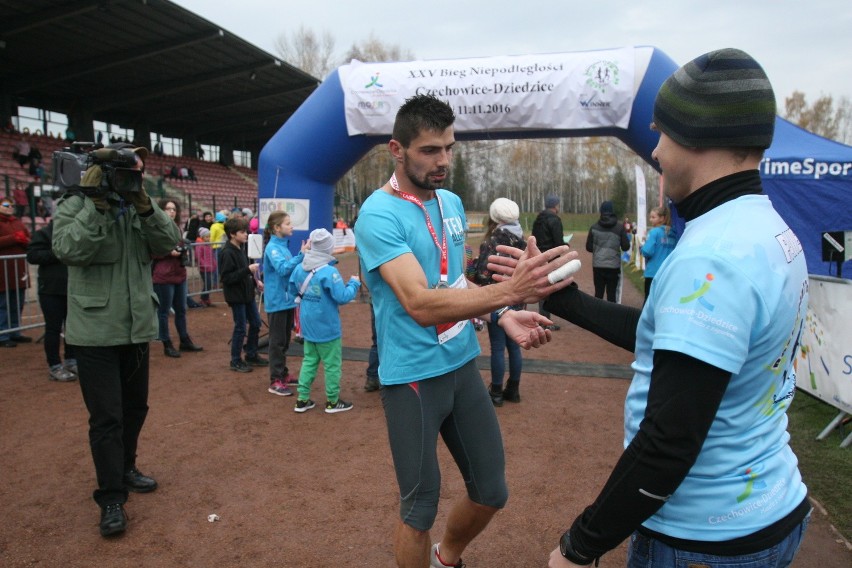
x=226, y=154
x=81, y=121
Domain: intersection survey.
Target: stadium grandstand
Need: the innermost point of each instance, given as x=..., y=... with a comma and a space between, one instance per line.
x=176, y=76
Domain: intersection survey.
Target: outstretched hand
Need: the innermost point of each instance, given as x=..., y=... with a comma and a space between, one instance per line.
x=527, y=270
x=526, y=328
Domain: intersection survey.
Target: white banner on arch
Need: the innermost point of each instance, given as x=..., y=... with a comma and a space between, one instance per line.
x=559, y=91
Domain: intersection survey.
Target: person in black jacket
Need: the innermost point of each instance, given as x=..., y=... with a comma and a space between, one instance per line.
x=548, y=232
x=607, y=238
x=239, y=281
x=53, y=299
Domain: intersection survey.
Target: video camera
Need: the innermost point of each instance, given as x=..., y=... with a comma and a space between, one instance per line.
x=69, y=165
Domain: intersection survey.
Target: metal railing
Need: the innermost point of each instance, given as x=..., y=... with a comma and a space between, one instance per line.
x=30, y=316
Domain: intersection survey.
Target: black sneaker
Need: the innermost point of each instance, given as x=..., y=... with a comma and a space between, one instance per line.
x=257, y=361
x=372, y=384
x=113, y=519
x=186, y=344
x=339, y=406
x=240, y=367
x=304, y=405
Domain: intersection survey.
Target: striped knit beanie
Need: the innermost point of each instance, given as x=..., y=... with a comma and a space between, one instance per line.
x=721, y=99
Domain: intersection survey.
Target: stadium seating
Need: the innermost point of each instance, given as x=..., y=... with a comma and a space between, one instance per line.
x=228, y=187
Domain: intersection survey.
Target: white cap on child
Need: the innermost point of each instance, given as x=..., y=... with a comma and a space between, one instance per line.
x=322, y=241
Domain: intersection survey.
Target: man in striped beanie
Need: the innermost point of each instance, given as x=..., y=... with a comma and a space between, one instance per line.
x=707, y=476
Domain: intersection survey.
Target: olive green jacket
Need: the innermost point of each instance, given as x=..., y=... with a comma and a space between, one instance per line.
x=111, y=300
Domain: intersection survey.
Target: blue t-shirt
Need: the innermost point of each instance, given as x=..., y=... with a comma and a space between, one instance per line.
x=657, y=248
x=733, y=294
x=387, y=228
x=278, y=265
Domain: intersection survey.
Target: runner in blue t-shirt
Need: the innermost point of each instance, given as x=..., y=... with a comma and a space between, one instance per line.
x=410, y=237
x=707, y=477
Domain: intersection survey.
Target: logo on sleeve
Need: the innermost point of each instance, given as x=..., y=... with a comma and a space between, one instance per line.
x=701, y=288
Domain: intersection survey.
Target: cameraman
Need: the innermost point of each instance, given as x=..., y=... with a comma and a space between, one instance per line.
x=106, y=230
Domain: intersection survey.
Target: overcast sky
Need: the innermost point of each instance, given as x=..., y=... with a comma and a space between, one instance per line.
x=803, y=45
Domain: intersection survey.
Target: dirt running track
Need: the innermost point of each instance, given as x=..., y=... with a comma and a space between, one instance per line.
x=309, y=489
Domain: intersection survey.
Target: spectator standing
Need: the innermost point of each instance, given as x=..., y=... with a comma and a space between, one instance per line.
x=206, y=219
x=549, y=233
x=21, y=150
x=169, y=277
x=707, y=477
x=320, y=291
x=411, y=244
x=192, y=226
x=503, y=229
x=21, y=199
x=42, y=209
x=240, y=280
x=53, y=299
x=659, y=245
x=34, y=155
x=14, y=280
x=206, y=265
x=106, y=240
x=217, y=231
x=280, y=304
x=606, y=240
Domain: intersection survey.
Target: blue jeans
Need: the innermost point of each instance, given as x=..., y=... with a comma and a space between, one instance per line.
x=208, y=281
x=11, y=302
x=373, y=357
x=245, y=313
x=171, y=296
x=500, y=342
x=645, y=552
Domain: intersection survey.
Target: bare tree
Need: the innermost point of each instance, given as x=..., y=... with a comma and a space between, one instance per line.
x=374, y=50
x=308, y=51
x=821, y=117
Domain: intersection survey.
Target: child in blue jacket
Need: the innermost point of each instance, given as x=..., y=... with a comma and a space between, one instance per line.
x=319, y=290
x=280, y=304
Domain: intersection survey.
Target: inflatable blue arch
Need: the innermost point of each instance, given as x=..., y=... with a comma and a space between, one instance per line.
x=299, y=166
x=313, y=149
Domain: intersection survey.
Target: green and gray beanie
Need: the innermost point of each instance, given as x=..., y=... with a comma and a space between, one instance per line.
x=718, y=100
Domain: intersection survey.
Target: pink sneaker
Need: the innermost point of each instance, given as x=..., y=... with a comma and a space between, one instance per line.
x=291, y=380
x=279, y=388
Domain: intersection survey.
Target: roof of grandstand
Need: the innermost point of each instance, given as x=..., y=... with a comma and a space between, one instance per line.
x=146, y=62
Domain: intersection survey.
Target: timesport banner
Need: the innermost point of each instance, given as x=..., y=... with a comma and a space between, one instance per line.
x=561, y=91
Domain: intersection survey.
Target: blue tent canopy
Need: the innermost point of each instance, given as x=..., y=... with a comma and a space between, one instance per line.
x=809, y=180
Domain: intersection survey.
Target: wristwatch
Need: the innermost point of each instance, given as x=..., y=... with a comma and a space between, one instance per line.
x=567, y=550
x=495, y=315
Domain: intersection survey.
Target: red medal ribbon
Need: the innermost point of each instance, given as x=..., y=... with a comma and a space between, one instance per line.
x=441, y=246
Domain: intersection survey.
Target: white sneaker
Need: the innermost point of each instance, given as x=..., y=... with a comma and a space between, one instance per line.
x=61, y=374
x=435, y=562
